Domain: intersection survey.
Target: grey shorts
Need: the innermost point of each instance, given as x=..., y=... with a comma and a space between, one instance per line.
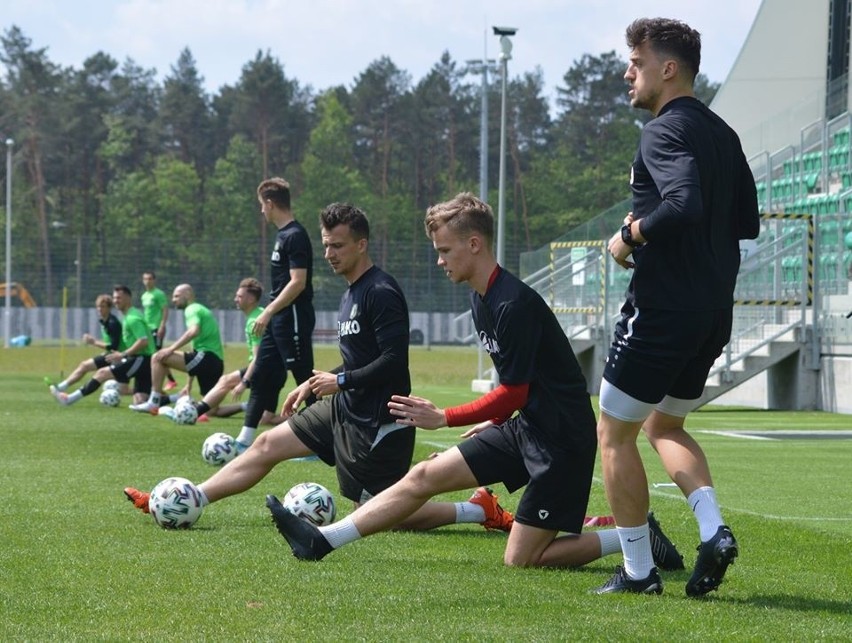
x=368, y=459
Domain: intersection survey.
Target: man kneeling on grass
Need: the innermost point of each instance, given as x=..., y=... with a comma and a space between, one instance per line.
x=549, y=446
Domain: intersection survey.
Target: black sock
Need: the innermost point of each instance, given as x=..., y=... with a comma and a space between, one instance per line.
x=90, y=387
x=202, y=407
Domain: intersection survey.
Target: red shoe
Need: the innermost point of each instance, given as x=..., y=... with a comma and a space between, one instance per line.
x=496, y=517
x=170, y=385
x=138, y=498
x=598, y=521
x=203, y=418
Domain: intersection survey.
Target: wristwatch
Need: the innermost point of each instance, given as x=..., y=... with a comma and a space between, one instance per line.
x=341, y=380
x=627, y=236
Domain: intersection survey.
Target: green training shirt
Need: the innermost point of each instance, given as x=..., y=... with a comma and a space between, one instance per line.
x=209, y=339
x=252, y=340
x=154, y=301
x=133, y=327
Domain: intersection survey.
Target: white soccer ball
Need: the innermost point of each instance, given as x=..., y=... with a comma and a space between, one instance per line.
x=175, y=503
x=112, y=385
x=219, y=449
x=110, y=397
x=185, y=413
x=312, y=502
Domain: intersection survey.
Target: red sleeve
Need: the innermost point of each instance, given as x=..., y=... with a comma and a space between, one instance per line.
x=499, y=403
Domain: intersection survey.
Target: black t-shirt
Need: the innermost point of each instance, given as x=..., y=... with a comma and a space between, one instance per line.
x=112, y=327
x=292, y=250
x=373, y=328
x=528, y=346
x=694, y=191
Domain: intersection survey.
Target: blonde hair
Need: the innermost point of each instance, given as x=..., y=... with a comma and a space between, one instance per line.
x=463, y=214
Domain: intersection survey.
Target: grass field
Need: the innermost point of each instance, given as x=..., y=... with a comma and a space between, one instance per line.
x=77, y=562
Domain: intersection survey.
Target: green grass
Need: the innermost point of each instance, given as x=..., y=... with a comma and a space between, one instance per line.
x=77, y=562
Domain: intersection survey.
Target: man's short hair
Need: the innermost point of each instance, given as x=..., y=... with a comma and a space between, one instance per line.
x=668, y=37
x=463, y=214
x=336, y=214
x=122, y=288
x=253, y=287
x=149, y=272
x=276, y=190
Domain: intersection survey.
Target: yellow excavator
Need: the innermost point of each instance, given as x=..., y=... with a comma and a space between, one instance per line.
x=17, y=290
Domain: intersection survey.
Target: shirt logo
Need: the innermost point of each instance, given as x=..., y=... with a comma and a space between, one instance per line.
x=631, y=175
x=543, y=514
x=490, y=345
x=354, y=312
x=350, y=327
x=276, y=255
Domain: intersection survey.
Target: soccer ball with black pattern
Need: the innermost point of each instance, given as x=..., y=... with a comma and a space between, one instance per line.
x=185, y=412
x=311, y=502
x=219, y=449
x=112, y=385
x=175, y=503
x=110, y=397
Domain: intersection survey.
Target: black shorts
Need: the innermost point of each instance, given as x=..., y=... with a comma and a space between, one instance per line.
x=207, y=368
x=100, y=361
x=558, y=479
x=368, y=460
x=137, y=367
x=158, y=341
x=665, y=352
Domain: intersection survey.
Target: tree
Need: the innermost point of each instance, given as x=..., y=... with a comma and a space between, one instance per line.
x=33, y=84
x=185, y=114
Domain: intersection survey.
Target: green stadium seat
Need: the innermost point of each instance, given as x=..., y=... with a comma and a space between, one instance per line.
x=841, y=137
x=829, y=232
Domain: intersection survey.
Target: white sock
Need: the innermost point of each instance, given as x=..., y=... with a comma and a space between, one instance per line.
x=469, y=512
x=174, y=397
x=706, y=509
x=62, y=386
x=610, y=542
x=203, y=497
x=76, y=396
x=636, y=545
x=340, y=533
x=154, y=398
x=246, y=435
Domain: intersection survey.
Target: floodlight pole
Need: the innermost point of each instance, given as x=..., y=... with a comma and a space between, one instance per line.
x=505, y=56
x=7, y=319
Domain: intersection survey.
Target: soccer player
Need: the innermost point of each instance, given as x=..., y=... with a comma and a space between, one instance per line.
x=287, y=322
x=155, y=309
x=549, y=446
x=132, y=360
x=351, y=427
x=694, y=198
x=110, y=341
x=205, y=360
x=247, y=298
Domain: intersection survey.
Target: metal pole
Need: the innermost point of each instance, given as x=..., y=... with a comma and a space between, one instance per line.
x=505, y=55
x=501, y=197
x=483, y=134
x=7, y=320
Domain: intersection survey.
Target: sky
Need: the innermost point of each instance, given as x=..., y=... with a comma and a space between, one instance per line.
x=323, y=43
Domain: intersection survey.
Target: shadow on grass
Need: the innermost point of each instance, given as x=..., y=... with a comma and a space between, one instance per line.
x=790, y=603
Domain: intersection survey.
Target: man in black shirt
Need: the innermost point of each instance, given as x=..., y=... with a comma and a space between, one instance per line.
x=110, y=341
x=549, y=446
x=350, y=426
x=287, y=322
x=694, y=198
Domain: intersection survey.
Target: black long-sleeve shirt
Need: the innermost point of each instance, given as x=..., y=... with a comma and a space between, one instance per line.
x=695, y=196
